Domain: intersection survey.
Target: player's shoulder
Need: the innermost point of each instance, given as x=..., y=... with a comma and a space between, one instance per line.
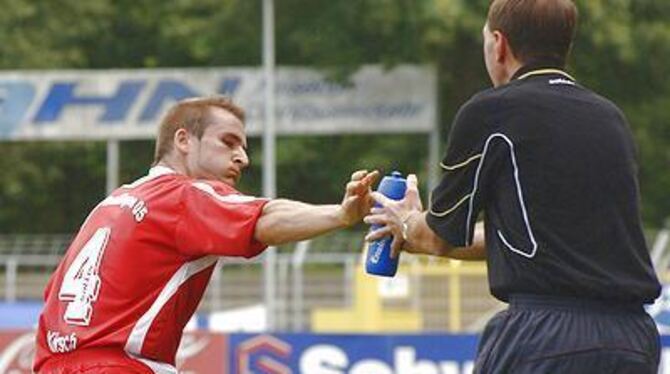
x=603, y=102
x=484, y=102
x=211, y=186
x=476, y=112
x=159, y=184
x=156, y=175
x=164, y=184
x=503, y=96
x=217, y=190
x=481, y=100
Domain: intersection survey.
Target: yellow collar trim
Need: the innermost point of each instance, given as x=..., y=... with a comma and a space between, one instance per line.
x=546, y=71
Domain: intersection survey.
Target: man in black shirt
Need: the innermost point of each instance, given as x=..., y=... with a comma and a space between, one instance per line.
x=551, y=165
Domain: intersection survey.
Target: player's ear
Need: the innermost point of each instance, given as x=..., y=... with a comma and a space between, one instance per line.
x=181, y=141
x=501, y=47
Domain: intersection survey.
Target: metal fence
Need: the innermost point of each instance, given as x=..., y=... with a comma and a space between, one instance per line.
x=447, y=295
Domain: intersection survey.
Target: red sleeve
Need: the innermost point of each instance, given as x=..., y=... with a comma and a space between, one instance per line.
x=47, y=289
x=217, y=220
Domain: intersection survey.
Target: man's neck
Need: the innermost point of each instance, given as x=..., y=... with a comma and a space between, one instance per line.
x=178, y=167
x=510, y=70
x=534, y=65
x=506, y=72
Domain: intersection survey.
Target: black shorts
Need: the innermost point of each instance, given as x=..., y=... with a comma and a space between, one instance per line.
x=559, y=335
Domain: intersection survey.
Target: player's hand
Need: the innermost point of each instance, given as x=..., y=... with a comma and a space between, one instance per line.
x=357, y=199
x=393, y=214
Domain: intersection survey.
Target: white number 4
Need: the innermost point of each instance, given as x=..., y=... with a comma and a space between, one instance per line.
x=81, y=283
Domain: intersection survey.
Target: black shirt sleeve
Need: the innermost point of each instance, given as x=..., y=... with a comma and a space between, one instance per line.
x=469, y=165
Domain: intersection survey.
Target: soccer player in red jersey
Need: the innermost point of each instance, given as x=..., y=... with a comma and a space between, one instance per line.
x=137, y=269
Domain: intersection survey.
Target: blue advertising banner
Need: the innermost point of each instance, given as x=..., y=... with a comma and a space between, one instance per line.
x=351, y=354
x=128, y=104
x=19, y=315
x=205, y=352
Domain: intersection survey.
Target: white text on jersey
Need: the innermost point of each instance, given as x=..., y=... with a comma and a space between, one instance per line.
x=561, y=81
x=138, y=207
x=61, y=344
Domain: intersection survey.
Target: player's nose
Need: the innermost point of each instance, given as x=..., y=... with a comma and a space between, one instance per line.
x=241, y=158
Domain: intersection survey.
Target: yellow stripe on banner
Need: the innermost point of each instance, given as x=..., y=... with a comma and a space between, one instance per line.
x=464, y=163
x=546, y=71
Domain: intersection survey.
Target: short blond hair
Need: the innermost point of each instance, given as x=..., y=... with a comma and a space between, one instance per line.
x=189, y=114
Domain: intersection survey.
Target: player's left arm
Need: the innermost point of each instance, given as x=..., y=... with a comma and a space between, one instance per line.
x=422, y=239
x=285, y=220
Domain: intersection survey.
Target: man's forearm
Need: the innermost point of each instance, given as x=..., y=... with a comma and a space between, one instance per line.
x=422, y=239
x=285, y=221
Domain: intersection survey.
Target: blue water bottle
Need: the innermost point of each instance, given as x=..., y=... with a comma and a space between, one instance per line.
x=378, y=260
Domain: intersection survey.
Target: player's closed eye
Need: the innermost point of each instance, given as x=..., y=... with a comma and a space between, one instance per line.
x=230, y=142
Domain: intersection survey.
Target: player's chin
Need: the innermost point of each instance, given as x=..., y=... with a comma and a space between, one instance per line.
x=230, y=180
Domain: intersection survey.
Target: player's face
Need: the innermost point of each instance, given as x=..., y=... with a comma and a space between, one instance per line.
x=221, y=152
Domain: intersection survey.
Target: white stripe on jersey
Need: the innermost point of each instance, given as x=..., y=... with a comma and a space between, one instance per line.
x=470, y=219
x=157, y=367
x=141, y=328
x=232, y=198
x=154, y=172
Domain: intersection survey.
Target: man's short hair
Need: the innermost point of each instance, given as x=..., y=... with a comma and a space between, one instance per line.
x=537, y=30
x=190, y=114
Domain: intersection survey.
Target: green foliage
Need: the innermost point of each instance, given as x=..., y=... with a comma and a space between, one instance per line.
x=316, y=169
x=48, y=34
x=49, y=191
x=621, y=51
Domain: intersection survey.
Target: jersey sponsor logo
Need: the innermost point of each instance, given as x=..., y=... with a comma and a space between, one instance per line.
x=561, y=81
x=137, y=206
x=61, y=343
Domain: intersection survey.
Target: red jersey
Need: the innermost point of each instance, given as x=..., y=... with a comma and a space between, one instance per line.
x=137, y=269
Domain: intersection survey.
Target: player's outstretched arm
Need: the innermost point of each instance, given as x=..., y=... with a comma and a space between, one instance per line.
x=422, y=239
x=406, y=221
x=284, y=221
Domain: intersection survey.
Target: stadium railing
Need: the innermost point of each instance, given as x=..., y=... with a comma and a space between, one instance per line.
x=449, y=296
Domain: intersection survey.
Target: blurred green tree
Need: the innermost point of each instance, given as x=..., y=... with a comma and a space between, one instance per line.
x=621, y=51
